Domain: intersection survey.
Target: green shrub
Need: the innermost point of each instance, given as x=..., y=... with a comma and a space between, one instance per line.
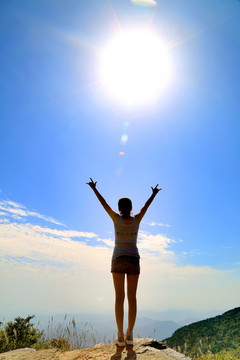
x=18, y=334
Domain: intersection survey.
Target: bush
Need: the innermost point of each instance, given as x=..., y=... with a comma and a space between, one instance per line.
x=18, y=334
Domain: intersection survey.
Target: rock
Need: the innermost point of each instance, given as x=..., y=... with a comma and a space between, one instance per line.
x=20, y=351
x=29, y=354
x=143, y=349
x=155, y=344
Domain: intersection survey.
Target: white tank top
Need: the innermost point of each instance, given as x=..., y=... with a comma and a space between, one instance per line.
x=126, y=238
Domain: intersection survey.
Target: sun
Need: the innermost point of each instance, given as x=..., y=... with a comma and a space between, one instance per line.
x=135, y=67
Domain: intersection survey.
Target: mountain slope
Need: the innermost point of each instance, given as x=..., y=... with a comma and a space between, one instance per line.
x=208, y=336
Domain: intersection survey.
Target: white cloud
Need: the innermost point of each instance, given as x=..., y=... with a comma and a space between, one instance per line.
x=152, y=223
x=108, y=242
x=43, y=272
x=171, y=286
x=155, y=247
x=32, y=243
x=67, y=271
x=61, y=233
x=18, y=211
x=4, y=220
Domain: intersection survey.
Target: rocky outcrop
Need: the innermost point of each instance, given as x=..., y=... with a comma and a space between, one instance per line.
x=144, y=349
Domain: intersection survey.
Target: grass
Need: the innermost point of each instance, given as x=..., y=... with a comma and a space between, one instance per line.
x=65, y=336
x=68, y=335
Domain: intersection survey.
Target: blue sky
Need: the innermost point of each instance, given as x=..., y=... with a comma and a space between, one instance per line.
x=58, y=127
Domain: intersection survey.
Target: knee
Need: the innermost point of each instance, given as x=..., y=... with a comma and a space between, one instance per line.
x=132, y=298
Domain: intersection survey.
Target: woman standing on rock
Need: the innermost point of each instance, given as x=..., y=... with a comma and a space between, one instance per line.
x=125, y=259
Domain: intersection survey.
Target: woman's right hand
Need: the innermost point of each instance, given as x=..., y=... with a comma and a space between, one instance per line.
x=92, y=184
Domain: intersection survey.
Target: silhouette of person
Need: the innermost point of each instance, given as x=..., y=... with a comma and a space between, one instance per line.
x=125, y=261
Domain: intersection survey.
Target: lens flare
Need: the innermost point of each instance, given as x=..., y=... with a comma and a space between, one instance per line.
x=144, y=2
x=124, y=138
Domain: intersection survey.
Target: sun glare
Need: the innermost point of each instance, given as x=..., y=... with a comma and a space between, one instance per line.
x=135, y=67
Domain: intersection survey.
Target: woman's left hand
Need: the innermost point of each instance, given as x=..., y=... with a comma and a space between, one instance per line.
x=155, y=190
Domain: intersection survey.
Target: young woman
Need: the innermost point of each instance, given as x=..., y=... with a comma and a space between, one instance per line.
x=125, y=259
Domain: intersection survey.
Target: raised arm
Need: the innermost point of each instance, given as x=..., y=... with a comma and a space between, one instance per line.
x=142, y=212
x=108, y=209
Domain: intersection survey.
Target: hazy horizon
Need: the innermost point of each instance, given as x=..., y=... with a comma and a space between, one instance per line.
x=175, y=315
x=157, y=325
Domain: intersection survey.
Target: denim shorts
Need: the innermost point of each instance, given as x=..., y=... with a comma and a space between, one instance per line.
x=126, y=264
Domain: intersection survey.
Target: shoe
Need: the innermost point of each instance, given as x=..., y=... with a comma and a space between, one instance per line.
x=129, y=340
x=120, y=341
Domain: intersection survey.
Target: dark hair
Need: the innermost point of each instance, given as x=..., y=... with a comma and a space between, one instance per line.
x=125, y=206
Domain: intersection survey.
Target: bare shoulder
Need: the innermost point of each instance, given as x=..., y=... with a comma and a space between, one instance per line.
x=115, y=216
x=138, y=217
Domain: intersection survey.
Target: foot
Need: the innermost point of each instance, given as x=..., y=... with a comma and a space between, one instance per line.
x=120, y=339
x=129, y=337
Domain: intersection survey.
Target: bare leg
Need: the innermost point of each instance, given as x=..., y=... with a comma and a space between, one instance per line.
x=132, y=282
x=118, y=280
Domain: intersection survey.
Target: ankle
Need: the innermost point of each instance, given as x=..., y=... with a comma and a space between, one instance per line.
x=120, y=333
x=129, y=332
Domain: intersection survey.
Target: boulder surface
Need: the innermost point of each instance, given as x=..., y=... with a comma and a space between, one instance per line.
x=144, y=349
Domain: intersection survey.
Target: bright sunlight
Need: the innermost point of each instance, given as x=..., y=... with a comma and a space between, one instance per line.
x=135, y=67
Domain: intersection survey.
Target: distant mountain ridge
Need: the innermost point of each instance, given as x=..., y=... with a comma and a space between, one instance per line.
x=158, y=325
x=212, y=335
